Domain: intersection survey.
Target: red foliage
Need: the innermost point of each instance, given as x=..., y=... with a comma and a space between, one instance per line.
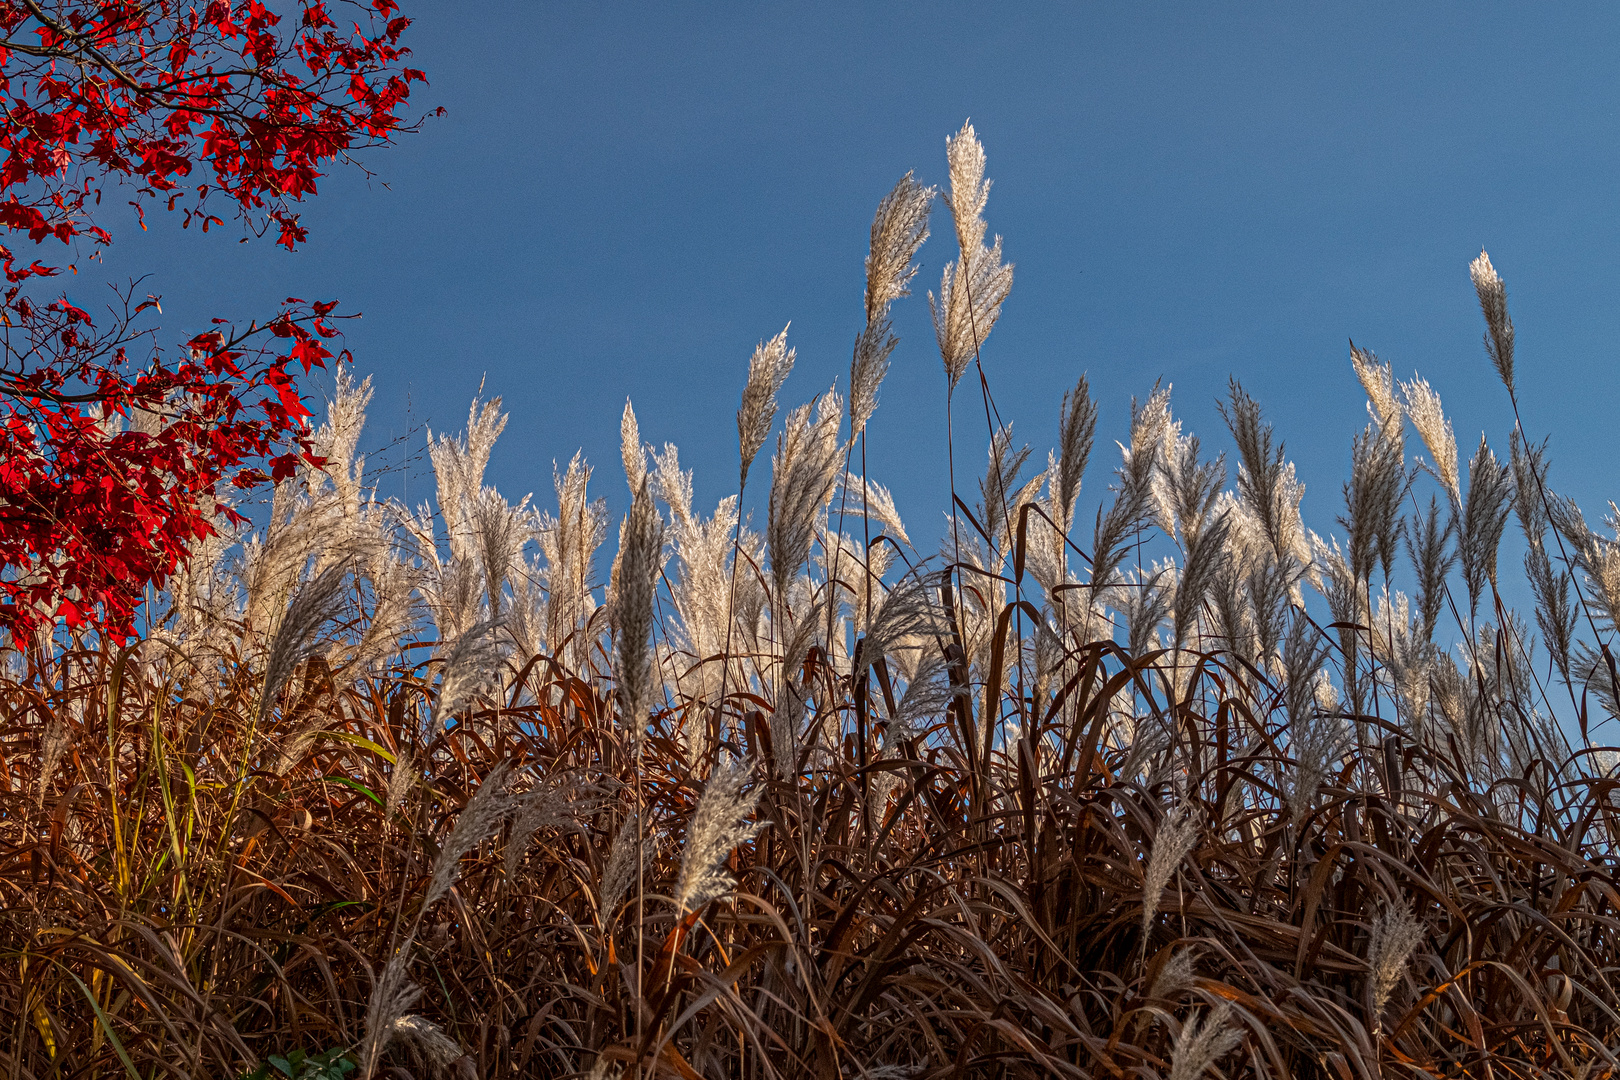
x=109, y=471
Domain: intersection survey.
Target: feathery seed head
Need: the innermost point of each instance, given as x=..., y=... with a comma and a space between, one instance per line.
x=1267, y=486
x=767, y=370
x=1492, y=292
x=898, y=229
x=1077, y=428
x=1143, y=599
x=1423, y=406
x=569, y=542
x=718, y=825
x=907, y=610
x=427, y=1043
x=640, y=560
x=396, y=606
x=490, y=805
x=1151, y=422
x=630, y=448
x=400, y=781
x=391, y=998
x=803, y=473
x=877, y=502
x=53, y=743
x=500, y=531
x=1202, y=1042
x=1379, y=381
x=1393, y=936
x=559, y=801
x=1185, y=490
x=866, y=371
x=474, y=665
x=673, y=485
x=1484, y=516
x=1174, y=975
x=971, y=290
x=1529, y=465
x=337, y=439
x=458, y=469
x=317, y=603
x=1555, y=615
x=1206, y=561
x=1372, y=498
x=1133, y=502
x=969, y=189
x=1176, y=835
x=928, y=692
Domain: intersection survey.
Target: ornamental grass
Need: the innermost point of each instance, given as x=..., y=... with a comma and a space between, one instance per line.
x=1171, y=787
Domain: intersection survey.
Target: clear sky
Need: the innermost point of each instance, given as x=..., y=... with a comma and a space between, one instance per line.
x=622, y=199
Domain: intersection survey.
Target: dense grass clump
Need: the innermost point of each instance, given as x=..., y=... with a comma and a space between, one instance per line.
x=1184, y=789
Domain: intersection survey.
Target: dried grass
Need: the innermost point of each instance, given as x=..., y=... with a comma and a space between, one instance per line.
x=1250, y=809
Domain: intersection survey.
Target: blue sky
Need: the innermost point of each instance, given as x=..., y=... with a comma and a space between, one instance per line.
x=621, y=200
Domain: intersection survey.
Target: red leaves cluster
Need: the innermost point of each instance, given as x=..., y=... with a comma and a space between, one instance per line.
x=109, y=468
x=149, y=90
